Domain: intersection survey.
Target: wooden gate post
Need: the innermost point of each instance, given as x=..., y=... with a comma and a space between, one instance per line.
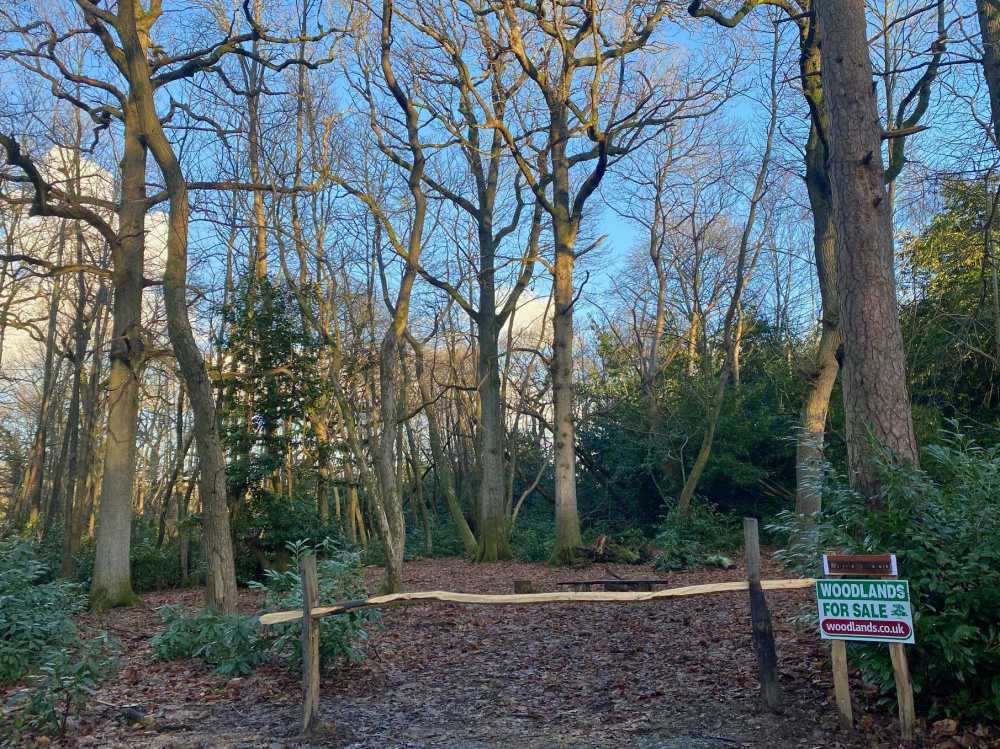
x=310, y=644
x=763, y=633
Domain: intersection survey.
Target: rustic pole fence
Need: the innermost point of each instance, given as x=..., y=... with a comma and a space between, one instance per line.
x=444, y=596
x=310, y=644
x=760, y=617
x=311, y=612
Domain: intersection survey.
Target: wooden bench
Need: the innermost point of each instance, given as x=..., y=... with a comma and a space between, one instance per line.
x=636, y=584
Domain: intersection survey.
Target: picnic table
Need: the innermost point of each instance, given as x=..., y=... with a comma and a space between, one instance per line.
x=636, y=584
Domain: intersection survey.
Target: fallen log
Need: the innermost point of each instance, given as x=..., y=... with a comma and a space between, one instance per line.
x=443, y=596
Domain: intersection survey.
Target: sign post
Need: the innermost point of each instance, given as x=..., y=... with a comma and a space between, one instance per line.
x=876, y=610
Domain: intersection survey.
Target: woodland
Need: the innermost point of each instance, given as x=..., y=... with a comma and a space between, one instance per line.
x=454, y=293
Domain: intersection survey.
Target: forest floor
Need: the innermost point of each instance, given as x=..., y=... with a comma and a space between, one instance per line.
x=673, y=674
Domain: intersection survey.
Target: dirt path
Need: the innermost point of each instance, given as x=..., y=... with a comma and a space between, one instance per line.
x=667, y=675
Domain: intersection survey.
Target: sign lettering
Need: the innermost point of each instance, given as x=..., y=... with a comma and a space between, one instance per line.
x=871, y=610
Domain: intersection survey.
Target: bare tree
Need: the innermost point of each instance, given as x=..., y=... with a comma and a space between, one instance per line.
x=746, y=259
x=579, y=59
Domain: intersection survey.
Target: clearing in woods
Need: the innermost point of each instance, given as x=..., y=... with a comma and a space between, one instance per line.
x=678, y=674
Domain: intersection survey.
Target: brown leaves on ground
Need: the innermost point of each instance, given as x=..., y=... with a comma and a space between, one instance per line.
x=676, y=674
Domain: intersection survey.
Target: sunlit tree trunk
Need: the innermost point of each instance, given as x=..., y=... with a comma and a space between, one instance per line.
x=876, y=400
x=220, y=585
x=111, y=585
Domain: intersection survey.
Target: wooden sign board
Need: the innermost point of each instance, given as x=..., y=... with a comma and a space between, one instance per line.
x=870, y=565
x=861, y=610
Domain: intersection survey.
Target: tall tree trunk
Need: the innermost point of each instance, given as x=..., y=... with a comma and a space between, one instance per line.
x=388, y=508
x=564, y=230
x=183, y=539
x=874, y=363
x=418, y=485
x=220, y=585
x=988, y=12
x=81, y=332
x=820, y=381
x=322, y=431
x=112, y=585
x=253, y=74
x=80, y=335
x=387, y=504
x=493, y=526
x=69, y=434
x=90, y=419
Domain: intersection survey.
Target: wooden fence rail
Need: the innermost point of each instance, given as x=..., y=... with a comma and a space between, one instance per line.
x=311, y=612
x=443, y=596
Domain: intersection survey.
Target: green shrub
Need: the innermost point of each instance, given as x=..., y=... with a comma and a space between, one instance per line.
x=943, y=523
x=41, y=644
x=267, y=522
x=444, y=535
x=235, y=643
x=62, y=684
x=36, y=612
x=227, y=641
x=533, y=540
x=445, y=541
x=339, y=574
x=153, y=568
x=690, y=539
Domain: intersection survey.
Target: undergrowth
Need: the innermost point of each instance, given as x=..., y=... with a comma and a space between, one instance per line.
x=42, y=646
x=236, y=643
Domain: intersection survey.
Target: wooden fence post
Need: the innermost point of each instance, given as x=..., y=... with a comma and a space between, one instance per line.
x=904, y=691
x=763, y=634
x=841, y=686
x=310, y=644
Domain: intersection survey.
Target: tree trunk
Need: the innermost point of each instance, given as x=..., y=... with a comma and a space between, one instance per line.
x=112, y=584
x=183, y=540
x=418, y=480
x=220, y=586
x=388, y=508
x=874, y=363
x=493, y=526
x=988, y=12
x=33, y=482
x=90, y=413
x=69, y=434
x=81, y=333
x=442, y=466
x=820, y=381
x=564, y=453
x=321, y=430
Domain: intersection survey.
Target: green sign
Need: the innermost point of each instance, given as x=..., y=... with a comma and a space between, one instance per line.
x=872, y=610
